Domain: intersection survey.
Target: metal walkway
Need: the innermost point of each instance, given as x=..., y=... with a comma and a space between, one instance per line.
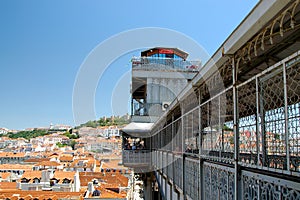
x=196, y=152
x=234, y=132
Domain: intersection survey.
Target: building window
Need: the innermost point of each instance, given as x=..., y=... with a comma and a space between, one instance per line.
x=66, y=181
x=24, y=180
x=36, y=180
x=53, y=182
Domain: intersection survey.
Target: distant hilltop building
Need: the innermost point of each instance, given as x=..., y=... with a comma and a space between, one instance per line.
x=60, y=127
x=106, y=131
x=88, y=131
x=4, y=131
x=111, y=131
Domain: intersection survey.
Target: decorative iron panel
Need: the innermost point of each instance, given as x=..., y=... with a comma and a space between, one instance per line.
x=177, y=148
x=191, y=178
x=258, y=186
x=218, y=182
x=164, y=162
x=247, y=107
x=170, y=166
x=178, y=167
x=293, y=107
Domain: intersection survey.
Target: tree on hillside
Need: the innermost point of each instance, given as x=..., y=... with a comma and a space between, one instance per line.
x=28, y=134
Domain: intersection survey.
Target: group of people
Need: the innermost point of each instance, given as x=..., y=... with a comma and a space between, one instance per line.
x=136, y=145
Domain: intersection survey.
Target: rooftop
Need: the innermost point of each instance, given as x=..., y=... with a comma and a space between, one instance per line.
x=18, y=194
x=11, y=154
x=164, y=50
x=15, y=167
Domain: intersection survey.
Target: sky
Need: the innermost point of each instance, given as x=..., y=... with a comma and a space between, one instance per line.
x=45, y=43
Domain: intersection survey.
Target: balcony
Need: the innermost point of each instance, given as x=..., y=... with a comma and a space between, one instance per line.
x=168, y=64
x=136, y=151
x=136, y=158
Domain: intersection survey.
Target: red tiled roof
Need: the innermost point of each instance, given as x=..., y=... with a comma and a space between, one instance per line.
x=61, y=175
x=113, y=164
x=11, y=155
x=32, y=174
x=16, y=194
x=48, y=163
x=66, y=158
x=7, y=186
x=5, y=175
x=106, y=193
x=36, y=159
x=15, y=167
x=109, y=179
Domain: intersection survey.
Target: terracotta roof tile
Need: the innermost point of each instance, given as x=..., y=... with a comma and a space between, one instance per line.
x=11, y=154
x=33, y=160
x=110, y=180
x=15, y=166
x=113, y=164
x=40, y=194
x=5, y=175
x=61, y=175
x=8, y=186
x=32, y=174
x=66, y=158
x=48, y=163
x=106, y=193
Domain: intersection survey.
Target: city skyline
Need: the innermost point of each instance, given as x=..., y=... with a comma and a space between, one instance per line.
x=45, y=43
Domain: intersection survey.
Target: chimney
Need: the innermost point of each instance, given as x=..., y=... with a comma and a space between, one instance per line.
x=45, y=176
x=19, y=185
x=76, y=182
x=90, y=187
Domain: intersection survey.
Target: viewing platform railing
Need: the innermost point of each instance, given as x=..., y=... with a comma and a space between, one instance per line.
x=152, y=63
x=137, y=157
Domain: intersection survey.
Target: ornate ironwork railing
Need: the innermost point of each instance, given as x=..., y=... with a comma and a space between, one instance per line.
x=263, y=161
